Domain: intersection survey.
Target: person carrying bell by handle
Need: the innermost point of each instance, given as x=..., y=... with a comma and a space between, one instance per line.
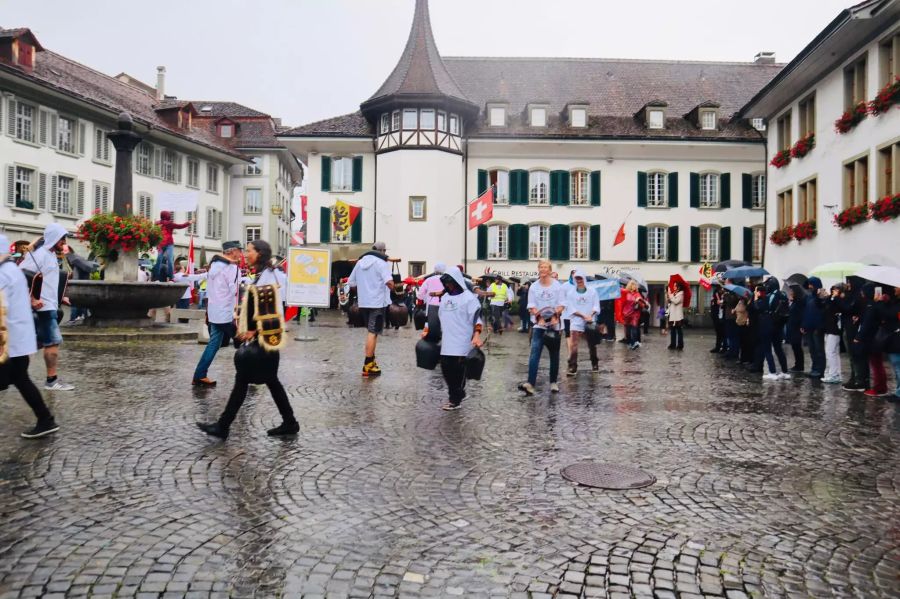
x=371, y=276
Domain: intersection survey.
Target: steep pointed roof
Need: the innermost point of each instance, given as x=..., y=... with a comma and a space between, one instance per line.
x=420, y=72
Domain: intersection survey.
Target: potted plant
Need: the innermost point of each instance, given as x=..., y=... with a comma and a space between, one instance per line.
x=782, y=158
x=803, y=145
x=782, y=236
x=805, y=230
x=116, y=241
x=851, y=118
x=853, y=215
x=887, y=208
x=886, y=98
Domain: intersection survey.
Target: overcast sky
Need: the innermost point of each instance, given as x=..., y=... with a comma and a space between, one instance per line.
x=305, y=60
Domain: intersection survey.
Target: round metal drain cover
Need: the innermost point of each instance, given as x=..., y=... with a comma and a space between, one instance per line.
x=607, y=476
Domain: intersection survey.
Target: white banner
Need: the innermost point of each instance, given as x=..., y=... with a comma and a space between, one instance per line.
x=177, y=201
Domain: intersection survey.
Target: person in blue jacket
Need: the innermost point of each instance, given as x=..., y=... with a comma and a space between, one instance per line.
x=813, y=327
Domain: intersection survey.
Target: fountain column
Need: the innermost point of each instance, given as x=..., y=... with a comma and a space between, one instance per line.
x=125, y=267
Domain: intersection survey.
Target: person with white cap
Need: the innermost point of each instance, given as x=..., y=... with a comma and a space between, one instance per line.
x=582, y=304
x=373, y=281
x=43, y=261
x=21, y=343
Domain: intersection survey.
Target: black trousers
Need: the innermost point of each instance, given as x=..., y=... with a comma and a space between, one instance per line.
x=719, y=326
x=859, y=358
x=239, y=394
x=454, y=370
x=676, y=334
x=17, y=369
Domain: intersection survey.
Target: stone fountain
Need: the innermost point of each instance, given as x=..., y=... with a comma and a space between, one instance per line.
x=120, y=300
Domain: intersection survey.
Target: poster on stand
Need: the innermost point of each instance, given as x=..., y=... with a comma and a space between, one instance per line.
x=309, y=277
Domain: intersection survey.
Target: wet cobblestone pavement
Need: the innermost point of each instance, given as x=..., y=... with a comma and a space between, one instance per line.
x=790, y=489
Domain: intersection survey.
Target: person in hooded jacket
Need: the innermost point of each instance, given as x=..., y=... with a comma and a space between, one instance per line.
x=165, y=258
x=832, y=328
x=461, y=324
x=812, y=327
x=864, y=343
x=768, y=329
x=797, y=301
x=852, y=303
x=371, y=276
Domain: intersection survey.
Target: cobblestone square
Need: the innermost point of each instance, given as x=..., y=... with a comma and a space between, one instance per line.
x=787, y=489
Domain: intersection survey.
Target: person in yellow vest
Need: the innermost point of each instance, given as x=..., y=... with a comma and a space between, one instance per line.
x=500, y=296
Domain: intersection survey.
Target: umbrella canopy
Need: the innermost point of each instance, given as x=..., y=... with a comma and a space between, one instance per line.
x=836, y=270
x=742, y=291
x=728, y=265
x=410, y=281
x=745, y=272
x=688, y=294
x=628, y=275
x=796, y=279
x=886, y=275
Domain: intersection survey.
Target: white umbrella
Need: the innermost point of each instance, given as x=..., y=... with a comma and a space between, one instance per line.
x=888, y=275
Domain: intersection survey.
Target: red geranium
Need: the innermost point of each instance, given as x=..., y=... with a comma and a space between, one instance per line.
x=885, y=98
x=851, y=118
x=782, y=236
x=803, y=146
x=107, y=232
x=805, y=230
x=853, y=215
x=782, y=158
x=886, y=208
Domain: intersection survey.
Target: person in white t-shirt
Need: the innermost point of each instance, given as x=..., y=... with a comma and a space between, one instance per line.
x=461, y=324
x=372, y=278
x=582, y=304
x=546, y=302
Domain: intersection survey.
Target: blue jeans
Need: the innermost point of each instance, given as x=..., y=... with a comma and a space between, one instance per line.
x=166, y=254
x=815, y=341
x=537, y=345
x=217, y=333
x=733, y=335
x=895, y=362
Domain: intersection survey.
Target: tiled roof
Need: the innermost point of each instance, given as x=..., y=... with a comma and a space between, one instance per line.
x=348, y=125
x=229, y=109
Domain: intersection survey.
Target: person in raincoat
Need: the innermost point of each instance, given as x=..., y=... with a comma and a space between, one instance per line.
x=461, y=324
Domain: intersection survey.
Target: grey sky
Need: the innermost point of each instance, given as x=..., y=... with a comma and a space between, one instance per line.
x=305, y=60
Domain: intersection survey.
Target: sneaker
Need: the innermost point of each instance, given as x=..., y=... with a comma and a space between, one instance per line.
x=771, y=376
x=58, y=385
x=831, y=380
x=41, y=429
x=853, y=386
x=874, y=393
x=797, y=369
x=554, y=388
x=528, y=388
x=595, y=368
x=785, y=376
x=284, y=429
x=450, y=407
x=571, y=372
x=213, y=429
x=371, y=369
x=204, y=382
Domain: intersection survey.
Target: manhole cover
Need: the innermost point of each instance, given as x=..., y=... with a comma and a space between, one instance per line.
x=607, y=476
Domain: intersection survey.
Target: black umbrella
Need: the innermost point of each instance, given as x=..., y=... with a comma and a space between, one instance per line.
x=728, y=265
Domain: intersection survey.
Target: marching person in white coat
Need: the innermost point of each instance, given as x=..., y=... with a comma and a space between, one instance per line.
x=461, y=324
x=583, y=305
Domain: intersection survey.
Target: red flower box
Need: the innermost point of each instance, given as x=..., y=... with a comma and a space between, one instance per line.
x=886, y=98
x=108, y=232
x=806, y=230
x=853, y=215
x=782, y=158
x=851, y=118
x=782, y=236
x=887, y=208
x=803, y=146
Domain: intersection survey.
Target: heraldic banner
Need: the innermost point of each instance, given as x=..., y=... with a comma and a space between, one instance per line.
x=342, y=217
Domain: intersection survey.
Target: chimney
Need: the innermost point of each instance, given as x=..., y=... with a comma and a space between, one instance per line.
x=764, y=57
x=160, y=83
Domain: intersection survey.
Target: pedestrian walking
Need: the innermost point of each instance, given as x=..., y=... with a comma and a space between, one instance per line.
x=164, y=268
x=20, y=343
x=461, y=325
x=500, y=296
x=545, y=304
x=261, y=330
x=582, y=305
x=222, y=289
x=371, y=276
x=524, y=315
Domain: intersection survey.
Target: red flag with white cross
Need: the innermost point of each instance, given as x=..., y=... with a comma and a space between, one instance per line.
x=482, y=209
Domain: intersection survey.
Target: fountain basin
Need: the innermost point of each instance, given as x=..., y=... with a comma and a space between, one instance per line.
x=114, y=304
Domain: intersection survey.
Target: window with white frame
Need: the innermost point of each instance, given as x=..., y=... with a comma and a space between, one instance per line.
x=410, y=118
x=708, y=119
x=758, y=240
x=252, y=233
x=395, y=120
x=500, y=180
x=212, y=178
x=192, y=216
x=25, y=122
x=441, y=120
x=758, y=191
x=255, y=166
x=656, y=243
x=655, y=119
x=709, y=244
x=143, y=159
x=417, y=208
x=656, y=190
x=580, y=188
x=538, y=242
x=145, y=205
x=385, y=123
x=65, y=134
x=709, y=190
x=193, y=172
x=226, y=130
x=101, y=146
x=213, y=223
x=341, y=173
x=578, y=117
x=426, y=119
x=538, y=117
x=24, y=188
x=169, y=158
x=498, y=242
x=539, y=188
x=253, y=200
x=65, y=188
x=454, y=124
x=416, y=269
x=758, y=123
x=578, y=242
x=101, y=197
x=497, y=116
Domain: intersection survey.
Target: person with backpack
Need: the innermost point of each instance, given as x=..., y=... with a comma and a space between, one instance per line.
x=771, y=315
x=832, y=330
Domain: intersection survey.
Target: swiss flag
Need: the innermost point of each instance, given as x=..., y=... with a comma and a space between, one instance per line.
x=482, y=209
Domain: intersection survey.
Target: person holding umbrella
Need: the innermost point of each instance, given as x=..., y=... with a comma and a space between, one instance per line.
x=677, y=294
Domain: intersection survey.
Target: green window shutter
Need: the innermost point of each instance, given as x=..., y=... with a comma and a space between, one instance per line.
x=695, y=244
x=513, y=242
x=673, y=190
x=482, y=242
x=725, y=189
x=594, y=242
x=746, y=191
x=326, y=173
x=357, y=173
x=725, y=243
x=518, y=242
x=518, y=187
x=356, y=229
x=748, y=242
x=555, y=199
x=559, y=242
x=595, y=189
x=642, y=243
x=324, y=224
x=564, y=190
x=482, y=181
x=695, y=190
x=672, y=253
x=513, y=187
x=642, y=193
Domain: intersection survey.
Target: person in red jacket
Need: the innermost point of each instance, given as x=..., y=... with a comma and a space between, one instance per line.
x=167, y=246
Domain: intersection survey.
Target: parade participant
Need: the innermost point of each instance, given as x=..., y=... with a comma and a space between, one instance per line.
x=460, y=316
x=164, y=268
x=766, y=325
x=20, y=342
x=582, y=304
x=430, y=292
x=500, y=295
x=222, y=289
x=567, y=286
x=184, y=302
x=82, y=270
x=634, y=302
x=675, y=300
x=371, y=276
x=43, y=261
x=545, y=303
x=261, y=324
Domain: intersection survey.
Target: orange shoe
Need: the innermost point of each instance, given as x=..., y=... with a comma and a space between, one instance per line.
x=204, y=382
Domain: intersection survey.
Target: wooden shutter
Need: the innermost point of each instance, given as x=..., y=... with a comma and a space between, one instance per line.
x=672, y=250
x=725, y=243
x=2, y=106
x=482, y=181
x=594, y=242
x=42, y=127
x=157, y=165
x=356, y=228
x=80, y=200
x=672, y=184
x=725, y=190
x=54, y=130
x=326, y=173
x=54, y=194
x=695, y=244
x=82, y=135
x=518, y=187
x=324, y=224
x=209, y=223
x=746, y=191
x=748, y=242
x=554, y=191
x=642, y=194
x=178, y=160
x=105, y=195
x=219, y=222
x=10, y=185
x=357, y=173
x=559, y=188
x=559, y=242
x=42, y=191
x=595, y=189
x=482, y=244
x=11, y=117
x=642, y=242
x=695, y=190
x=518, y=242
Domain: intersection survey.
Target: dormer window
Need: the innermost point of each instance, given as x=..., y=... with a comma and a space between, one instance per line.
x=708, y=120
x=538, y=116
x=497, y=115
x=19, y=47
x=577, y=116
x=655, y=118
x=226, y=130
